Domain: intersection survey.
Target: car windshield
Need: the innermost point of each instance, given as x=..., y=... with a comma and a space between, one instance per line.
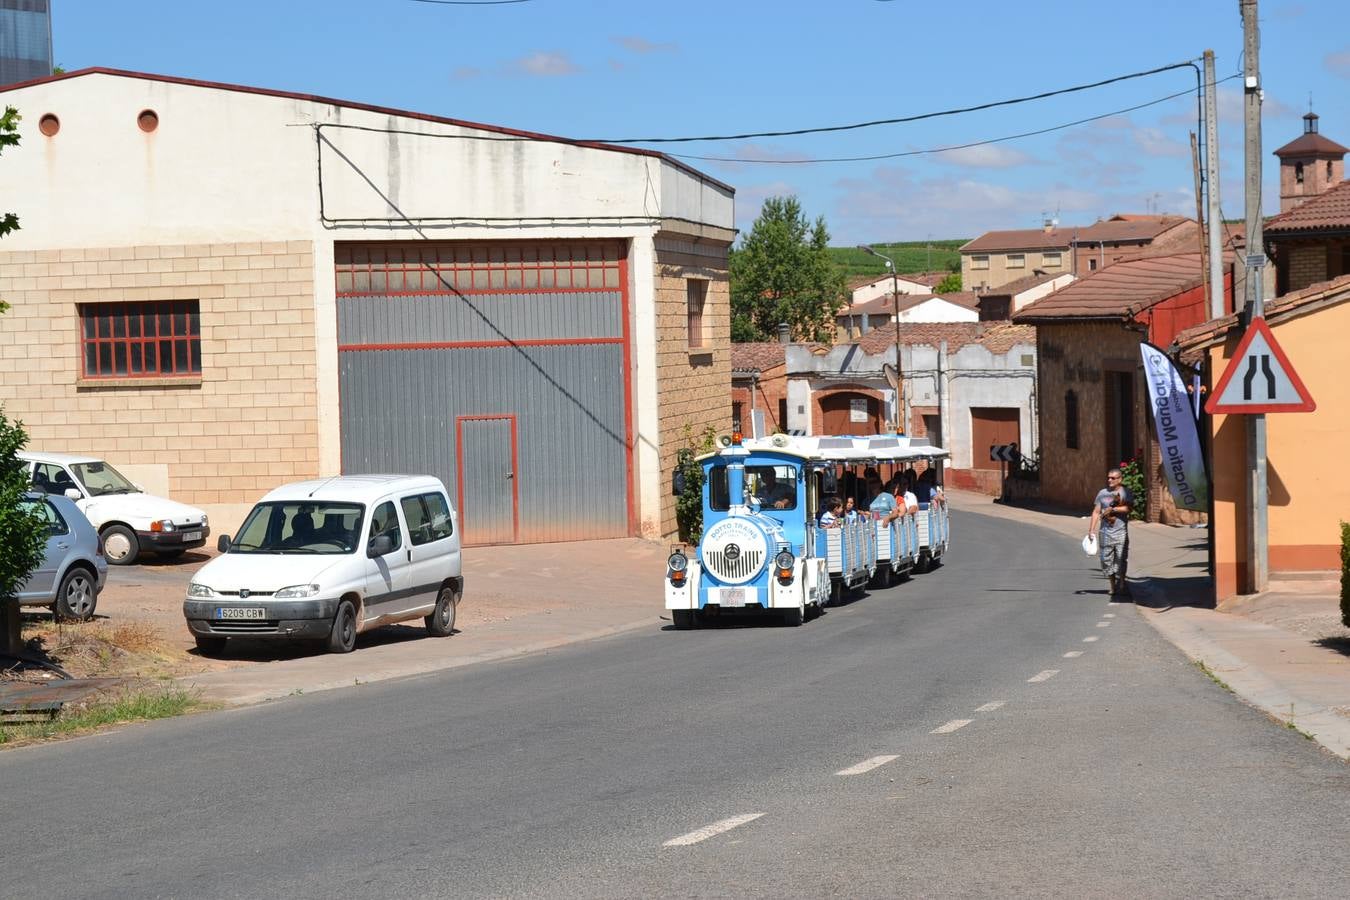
x=101, y=479
x=300, y=526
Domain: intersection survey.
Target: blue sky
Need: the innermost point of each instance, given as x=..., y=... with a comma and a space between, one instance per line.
x=614, y=70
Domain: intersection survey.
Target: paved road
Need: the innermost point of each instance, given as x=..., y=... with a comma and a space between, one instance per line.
x=992, y=728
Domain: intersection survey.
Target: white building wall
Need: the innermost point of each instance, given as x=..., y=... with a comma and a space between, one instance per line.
x=1031, y=295
x=883, y=286
x=938, y=310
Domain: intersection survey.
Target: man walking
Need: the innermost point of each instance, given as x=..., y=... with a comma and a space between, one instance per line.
x=1110, y=520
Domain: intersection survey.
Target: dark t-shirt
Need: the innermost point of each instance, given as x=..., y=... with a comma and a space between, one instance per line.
x=1105, y=500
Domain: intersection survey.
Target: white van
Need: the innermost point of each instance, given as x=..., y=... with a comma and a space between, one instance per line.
x=129, y=521
x=330, y=558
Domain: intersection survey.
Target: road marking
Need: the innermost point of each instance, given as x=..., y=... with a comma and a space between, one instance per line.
x=867, y=765
x=712, y=830
x=1089, y=640
x=951, y=726
x=1073, y=654
x=990, y=707
x=1103, y=624
x=1108, y=615
x=1043, y=676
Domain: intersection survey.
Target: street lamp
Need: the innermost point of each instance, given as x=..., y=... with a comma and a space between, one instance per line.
x=895, y=297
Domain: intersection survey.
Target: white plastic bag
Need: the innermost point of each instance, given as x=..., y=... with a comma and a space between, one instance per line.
x=1090, y=545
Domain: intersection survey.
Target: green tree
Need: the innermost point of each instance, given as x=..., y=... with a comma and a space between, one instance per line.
x=783, y=272
x=949, y=285
x=22, y=533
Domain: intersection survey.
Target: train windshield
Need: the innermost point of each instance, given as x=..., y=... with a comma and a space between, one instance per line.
x=771, y=486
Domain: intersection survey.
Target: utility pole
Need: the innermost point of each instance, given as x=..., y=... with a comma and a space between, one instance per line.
x=899, y=368
x=1257, y=534
x=1215, y=234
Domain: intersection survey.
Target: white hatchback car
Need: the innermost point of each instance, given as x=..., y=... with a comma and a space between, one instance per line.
x=328, y=559
x=129, y=521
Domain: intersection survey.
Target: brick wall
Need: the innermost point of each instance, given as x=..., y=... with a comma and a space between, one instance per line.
x=770, y=397
x=1307, y=265
x=247, y=424
x=1077, y=357
x=693, y=384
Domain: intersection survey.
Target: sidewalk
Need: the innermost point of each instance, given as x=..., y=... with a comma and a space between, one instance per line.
x=1284, y=651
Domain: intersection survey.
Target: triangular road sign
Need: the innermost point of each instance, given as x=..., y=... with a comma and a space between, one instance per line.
x=1259, y=378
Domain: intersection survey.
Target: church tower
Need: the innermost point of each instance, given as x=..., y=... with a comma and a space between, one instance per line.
x=1309, y=165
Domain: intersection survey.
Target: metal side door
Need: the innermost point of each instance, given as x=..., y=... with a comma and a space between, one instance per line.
x=487, y=479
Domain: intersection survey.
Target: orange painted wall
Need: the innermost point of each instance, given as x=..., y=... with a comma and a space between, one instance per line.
x=1309, y=494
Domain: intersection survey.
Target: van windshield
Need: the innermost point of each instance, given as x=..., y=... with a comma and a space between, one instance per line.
x=300, y=526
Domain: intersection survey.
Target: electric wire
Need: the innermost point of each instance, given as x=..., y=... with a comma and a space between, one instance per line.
x=993, y=104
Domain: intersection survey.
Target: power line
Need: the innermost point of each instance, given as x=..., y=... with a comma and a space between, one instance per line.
x=903, y=119
x=898, y=155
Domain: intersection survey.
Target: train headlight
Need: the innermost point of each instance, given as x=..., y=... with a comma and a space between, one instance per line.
x=678, y=562
x=783, y=562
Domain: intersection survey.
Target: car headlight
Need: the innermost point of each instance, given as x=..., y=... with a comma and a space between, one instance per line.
x=678, y=562
x=196, y=589
x=163, y=525
x=297, y=591
x=204, y=521
x=784, y=559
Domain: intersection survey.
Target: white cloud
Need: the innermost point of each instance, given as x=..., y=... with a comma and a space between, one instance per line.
x=543, y=64
x=1156, y=142
x=747, y=154
x=988, y=156
x=750, y=200
x=643, y=46
x=1338, y=63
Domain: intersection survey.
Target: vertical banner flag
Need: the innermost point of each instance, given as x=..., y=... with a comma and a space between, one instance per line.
x=1178, y=437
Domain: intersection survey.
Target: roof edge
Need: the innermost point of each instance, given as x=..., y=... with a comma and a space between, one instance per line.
x=367, y=107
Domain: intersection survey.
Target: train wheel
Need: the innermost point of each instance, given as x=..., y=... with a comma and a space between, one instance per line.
x=794, y=617
x=682, y=618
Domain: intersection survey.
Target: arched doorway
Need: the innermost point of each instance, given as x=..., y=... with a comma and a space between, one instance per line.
x=850, y=412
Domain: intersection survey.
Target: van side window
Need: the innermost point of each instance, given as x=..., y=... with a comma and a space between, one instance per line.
x=428, y=518
x=385, y=521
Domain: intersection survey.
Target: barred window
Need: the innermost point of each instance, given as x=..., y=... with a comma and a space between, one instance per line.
x=1071, y=420
x=141, y=340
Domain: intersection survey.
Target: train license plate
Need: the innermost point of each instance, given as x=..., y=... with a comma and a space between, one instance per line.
x=241, y=612
x=735, y=596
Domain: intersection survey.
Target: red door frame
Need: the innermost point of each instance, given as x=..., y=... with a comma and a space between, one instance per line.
x=459, y=477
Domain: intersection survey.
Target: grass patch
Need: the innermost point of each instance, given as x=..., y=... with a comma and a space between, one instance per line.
x=133, y=705
x=1200, y=664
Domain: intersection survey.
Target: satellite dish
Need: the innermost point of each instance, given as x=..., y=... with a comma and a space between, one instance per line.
x=892, y=375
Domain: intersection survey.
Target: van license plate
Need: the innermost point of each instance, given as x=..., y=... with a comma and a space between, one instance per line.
x=733, y=597
x=245, y=612
x=191, y=536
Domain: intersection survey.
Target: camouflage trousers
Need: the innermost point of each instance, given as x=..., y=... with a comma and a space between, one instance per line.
x=1113, y=550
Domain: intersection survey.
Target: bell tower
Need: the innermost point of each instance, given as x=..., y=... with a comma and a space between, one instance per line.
x=1309, y=165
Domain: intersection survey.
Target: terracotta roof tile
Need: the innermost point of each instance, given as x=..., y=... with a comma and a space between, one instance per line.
x=757, y=356
x=1119, y=291
x=881, y=305
x=1327, y=211
x=1193, y=341
x=1025, y=283
x=1128, y=229
x=998, y=337
x=1311, y=144
x=1023, y=239
x=928, y=278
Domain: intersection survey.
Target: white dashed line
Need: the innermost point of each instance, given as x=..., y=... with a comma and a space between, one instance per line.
x=1108, y=615
x=712, y=830
x=1043, y=676
x=1089, y=640
x=866, y=765
x=1073, y=654
x=989, y=707
x=951, y=726
x=1103, y=624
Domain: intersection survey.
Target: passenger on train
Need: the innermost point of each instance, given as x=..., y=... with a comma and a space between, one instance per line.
x=832, y=509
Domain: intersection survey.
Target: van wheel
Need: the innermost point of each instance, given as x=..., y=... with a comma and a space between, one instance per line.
x=77, y=596
x=342, y=639
x=441, y=622
x=120, y=545
x=683, y=619
x=210, y=646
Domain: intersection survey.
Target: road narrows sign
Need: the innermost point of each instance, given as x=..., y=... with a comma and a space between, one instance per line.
x=1259, y=378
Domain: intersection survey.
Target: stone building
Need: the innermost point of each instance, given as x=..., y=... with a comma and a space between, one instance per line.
x=222, y=288
x=1090, y=389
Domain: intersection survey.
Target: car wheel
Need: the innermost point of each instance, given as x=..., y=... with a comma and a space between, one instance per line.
x=208, y=645
x=683, y=619
x=342, y=639
x=77, y=596
x=441, y=622
x=120, y=545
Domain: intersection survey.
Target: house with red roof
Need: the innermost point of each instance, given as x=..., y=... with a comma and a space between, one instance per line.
x=1090, y=391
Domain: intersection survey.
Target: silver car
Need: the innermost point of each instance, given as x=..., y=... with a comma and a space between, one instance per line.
x=73, y=570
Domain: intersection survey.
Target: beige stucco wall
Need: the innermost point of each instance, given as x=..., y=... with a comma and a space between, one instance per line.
x=1308, y=498
x=999, y=274
x=695, y=383
x=247, y=424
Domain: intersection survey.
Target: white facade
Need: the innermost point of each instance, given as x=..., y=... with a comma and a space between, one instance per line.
x=231, y=164
x=936, y=309
x=1032, y=294
x=885, y=285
